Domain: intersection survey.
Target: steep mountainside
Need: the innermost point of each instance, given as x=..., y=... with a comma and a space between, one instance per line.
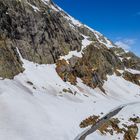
x=56, y=72
x=42, y=32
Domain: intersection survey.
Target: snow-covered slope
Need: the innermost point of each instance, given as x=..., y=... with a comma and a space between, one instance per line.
x=33, y=106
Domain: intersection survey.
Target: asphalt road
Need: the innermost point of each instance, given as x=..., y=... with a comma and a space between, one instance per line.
x=101, y=121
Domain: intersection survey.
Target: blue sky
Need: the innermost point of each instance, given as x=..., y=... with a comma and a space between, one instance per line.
x=119, y=20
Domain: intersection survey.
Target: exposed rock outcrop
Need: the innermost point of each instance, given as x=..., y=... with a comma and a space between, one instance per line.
x=129, y=59
x=104, y=59
x=134, y=78
x=65, y=71
x=89, y=121
x=131, y=133
x=95, y=56
x=10, y=63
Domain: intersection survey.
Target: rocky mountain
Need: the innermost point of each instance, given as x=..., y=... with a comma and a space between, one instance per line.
x=46, y=53
x=38, y=29
x=43, y=33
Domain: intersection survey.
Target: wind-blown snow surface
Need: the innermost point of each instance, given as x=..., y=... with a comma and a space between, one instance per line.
x=43, y=112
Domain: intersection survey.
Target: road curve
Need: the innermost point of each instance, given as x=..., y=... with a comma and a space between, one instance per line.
x=101, y=121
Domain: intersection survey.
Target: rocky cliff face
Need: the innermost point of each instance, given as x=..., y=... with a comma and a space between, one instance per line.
x=10, y=63
x=37, y=29
x=42, y=32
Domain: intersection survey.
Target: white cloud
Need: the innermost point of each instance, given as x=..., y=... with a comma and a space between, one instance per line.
x=122, y=45
x=130, y=41
x=126, y=43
